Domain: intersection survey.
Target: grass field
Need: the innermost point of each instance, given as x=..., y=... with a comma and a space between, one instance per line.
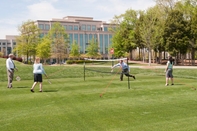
x=72, y=104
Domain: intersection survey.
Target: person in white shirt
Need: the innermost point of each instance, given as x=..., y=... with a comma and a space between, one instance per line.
x=10, y=69
x=169, y=70
x=125, y=69
x=38, y=70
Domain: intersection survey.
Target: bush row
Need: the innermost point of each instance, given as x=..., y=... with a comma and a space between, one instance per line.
x=14, y=58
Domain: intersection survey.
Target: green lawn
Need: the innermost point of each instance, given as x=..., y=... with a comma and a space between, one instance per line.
x=72, y=104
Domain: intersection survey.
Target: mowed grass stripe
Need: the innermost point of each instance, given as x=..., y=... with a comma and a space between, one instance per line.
x=73, y=104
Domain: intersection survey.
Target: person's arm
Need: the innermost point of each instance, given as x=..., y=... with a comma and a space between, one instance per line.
x=8, y=65
x=43, y=71
x=115, y=65
x=167, y=66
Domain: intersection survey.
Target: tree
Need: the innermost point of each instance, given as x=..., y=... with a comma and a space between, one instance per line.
x=43, y=50
x=28, y=39
x=92, y=49
x=74, y=50
x=123, y=39
x=147, y=28
x=176, y=34
x=189, y=9
x=60, y=40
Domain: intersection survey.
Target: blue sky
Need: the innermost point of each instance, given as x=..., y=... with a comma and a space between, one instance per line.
x=14, y=12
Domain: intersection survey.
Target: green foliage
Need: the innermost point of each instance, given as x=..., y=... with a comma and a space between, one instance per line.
x=123, y=39
x=43, y=50
x=60, y=41
x=75, y=50
x=92, y=49
x=175, y=33
x=28, y=39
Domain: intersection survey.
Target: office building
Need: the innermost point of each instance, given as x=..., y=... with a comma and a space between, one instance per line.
x=79, y=29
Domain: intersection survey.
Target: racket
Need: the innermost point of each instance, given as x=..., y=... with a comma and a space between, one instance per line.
x=48, y=79
x=18, y=78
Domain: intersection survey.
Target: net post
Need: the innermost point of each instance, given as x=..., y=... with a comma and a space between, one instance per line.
x=128, y=76
x=84, y=70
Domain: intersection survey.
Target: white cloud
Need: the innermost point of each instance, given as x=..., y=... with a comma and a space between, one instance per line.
x=43, y=10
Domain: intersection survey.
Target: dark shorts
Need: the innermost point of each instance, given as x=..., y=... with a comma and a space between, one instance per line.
x=37, y=77
x=125, y=71
x=169, y=73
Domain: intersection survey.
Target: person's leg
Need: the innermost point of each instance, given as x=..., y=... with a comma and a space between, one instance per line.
x=172, y=81
x=33, y=86
x=10, y=78
x=167, y=80
x=129, y=75
x=40, y=86
x=121, y=76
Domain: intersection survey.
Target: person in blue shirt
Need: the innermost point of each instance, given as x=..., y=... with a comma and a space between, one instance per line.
x=38, y=70
x=124, y=68
x=169, y=70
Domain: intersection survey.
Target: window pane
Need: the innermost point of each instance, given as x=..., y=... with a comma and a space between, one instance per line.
x=41, y=26
x=83, y=27
x=70, y=27
x=76, y=27
x=88, y=27
x=93, y=28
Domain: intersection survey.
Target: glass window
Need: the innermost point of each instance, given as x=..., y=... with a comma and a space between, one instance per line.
x=101, y=43
x=41, y=35
x=65, y=27
x=41, y=26
x=0, y=43
x=71, y=39
x=88, y=27
x=93, y=28
x=70, y=27
x=3, y=43
x=110, y=40
x=106, y=43
x=76, y=27
x=83, y=27
x=90, y=37
x=47, y=27
x=105, y=28
x=81, y=43
x=76, y=37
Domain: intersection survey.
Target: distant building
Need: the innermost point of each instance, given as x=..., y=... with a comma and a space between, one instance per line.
x=7, y=45
x=79, y=29
x=82, y=30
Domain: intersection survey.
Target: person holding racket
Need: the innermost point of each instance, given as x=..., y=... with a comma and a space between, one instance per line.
x=10, y=69
x=38, y=70
x=125, y=69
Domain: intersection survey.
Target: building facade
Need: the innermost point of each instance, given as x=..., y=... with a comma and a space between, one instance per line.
x=80, y=29
x=7, y=45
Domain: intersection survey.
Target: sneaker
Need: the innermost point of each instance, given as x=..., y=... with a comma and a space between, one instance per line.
x=166, y=84
x=40, y=91
x=172, y=84
x=32, y=90
x=133, y=77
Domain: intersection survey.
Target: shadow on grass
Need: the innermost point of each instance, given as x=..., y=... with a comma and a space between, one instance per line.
x=22, y=87
x=50, y=91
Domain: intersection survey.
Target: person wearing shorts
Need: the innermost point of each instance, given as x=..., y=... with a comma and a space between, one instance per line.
x=169, y=70
x=38, y=70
